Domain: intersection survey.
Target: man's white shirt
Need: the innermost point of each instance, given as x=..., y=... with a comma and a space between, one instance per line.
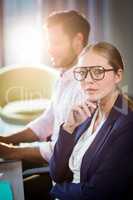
x=67, y=93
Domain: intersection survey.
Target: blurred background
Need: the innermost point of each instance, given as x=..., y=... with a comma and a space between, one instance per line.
x=22, y=40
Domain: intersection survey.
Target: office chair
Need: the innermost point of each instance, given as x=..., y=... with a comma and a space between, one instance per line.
x=25, y=92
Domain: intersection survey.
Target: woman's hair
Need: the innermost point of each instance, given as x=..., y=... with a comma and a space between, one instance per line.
x=110, y=52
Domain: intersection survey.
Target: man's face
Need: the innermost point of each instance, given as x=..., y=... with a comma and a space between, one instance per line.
x=60, y=47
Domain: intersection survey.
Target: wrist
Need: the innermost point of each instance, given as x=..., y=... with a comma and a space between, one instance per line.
x=17, y=153
x=69, y=128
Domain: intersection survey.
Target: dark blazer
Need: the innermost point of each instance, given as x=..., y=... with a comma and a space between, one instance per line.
x=107, y=166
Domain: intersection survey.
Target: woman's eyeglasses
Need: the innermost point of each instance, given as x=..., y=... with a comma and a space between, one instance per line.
x=96, y=72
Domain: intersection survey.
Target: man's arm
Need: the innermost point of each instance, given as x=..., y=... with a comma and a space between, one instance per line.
x=26, y=135
x=8, y=151
x=11, y=152
x=38, y=129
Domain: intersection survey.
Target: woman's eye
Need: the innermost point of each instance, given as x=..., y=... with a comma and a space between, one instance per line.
x=82, y=73
x=98, y=71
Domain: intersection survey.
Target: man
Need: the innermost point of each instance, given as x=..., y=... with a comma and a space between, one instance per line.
x=67, y=36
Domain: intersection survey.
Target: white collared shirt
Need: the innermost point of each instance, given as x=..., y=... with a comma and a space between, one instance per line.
x=67, y=93
x=81, y=147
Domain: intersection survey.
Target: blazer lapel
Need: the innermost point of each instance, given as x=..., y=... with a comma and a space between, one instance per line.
x=82, y=128
x=101, y=139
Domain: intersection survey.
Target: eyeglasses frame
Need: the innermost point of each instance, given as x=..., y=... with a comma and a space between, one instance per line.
x=88, y=68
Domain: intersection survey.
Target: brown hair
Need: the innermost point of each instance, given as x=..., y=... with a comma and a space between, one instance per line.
x=110, y=52
x=72, y=23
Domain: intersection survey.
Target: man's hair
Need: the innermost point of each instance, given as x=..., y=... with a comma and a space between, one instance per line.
x=72, y=23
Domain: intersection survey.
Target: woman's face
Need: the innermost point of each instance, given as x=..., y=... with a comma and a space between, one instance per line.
x=98, y=89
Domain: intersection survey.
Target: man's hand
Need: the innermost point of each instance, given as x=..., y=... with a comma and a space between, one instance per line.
x=78, y=115
x=12, y=152
x=6, y=150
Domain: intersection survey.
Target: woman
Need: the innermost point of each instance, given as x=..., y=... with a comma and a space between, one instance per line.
x=93, y=157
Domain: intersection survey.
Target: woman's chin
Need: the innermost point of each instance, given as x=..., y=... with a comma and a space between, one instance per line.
x=92, y=98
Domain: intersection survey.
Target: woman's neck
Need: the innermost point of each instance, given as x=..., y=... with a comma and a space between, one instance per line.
x=106, y=104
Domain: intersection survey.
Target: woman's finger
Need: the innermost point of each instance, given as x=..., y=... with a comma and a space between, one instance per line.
x=86, y=110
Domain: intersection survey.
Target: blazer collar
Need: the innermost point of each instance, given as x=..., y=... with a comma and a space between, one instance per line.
x=115, y=112
x=115, y=118
x=103, y=135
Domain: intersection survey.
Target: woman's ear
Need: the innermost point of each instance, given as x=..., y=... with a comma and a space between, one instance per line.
x=119, y=75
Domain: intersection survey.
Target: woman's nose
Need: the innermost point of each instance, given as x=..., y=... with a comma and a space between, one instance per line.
x=88, y=77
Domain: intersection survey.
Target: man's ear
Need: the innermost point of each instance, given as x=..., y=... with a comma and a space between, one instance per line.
x=78, y=41
x=80, y=38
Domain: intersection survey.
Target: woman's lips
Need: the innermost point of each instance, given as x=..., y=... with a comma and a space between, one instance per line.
x=90, y=90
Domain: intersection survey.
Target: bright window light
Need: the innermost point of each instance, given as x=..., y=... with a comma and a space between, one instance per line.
x=25, y=44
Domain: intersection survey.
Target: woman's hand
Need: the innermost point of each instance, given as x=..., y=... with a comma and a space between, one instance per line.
x=78, y=115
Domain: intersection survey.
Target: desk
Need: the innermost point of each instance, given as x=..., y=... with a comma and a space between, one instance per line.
x=12, y=172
